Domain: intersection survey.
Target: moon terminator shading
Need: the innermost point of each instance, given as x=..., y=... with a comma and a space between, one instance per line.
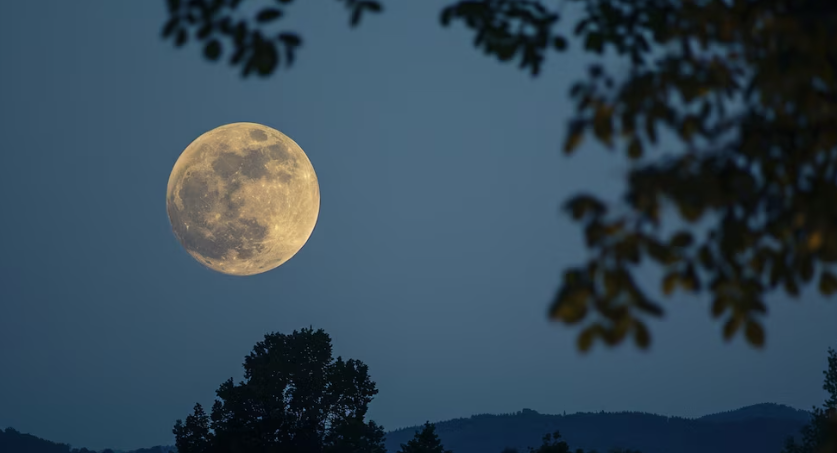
x=243, y=198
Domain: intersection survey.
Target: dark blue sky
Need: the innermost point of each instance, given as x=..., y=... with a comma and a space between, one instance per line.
x=437, y=248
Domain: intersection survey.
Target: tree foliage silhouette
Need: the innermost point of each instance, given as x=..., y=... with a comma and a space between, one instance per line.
x=425, y=441
x=748, y=90
x=294, y=398
x=552, y=443
x=820, y=435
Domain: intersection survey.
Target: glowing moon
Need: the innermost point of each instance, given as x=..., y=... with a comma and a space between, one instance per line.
x=243, y=198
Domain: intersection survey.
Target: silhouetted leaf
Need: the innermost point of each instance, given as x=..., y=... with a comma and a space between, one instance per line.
x=290, y=39
x=706, y=260
x=574, y=136
x=731, y=327
x=791, y=286
x=355, y=19
x=670, y=282
x=181, y=38
x=828, y=283
x=682, y=239
x=635, y=148
x=641, y=335
x=269, y=15
x=212, y=50
x=559, y=42
x=594, y=42
x=719, y=306
x=582, y=205
x=170, y=26
x=571, y=307
x=649, y=307
x=806, y=269
x=371, y=6
x=660, y=253
x=587, y=336
x=754, y=333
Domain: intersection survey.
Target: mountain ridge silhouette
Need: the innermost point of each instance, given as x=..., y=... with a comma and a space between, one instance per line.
x=759, y=428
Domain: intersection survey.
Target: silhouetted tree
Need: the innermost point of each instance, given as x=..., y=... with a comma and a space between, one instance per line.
x=820, y=435
x=552, y=444
x=748, y=89
x=193, y=436
x=355, y=436
x=294, y=398
x=425, y=441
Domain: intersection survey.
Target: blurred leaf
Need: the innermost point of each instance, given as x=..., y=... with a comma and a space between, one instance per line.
x=731, y=326
x=170, y=26
x=570, y=306
x=754, y=333
x=212, y=50
x=641, y=335
x=575, y=135
x=791, y=286
x=559, y=42
x=594, y=42
x=806, y=269
x=583, y=205
x=635, y=148
x=372, y=6
x=706, y=259
x=355, y=18
x=719, y=306
x=290, y=39
x=649, y=307
x=828, y=283
x=587, y=336
x=181, y=38
x=268, y=15
x=682, y=239
x=670, y=282
x=660, y=253
x=205, y=31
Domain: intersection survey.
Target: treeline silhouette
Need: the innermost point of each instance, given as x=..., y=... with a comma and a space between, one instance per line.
x=297, y=398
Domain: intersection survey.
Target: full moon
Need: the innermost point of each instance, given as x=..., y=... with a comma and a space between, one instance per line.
x=243, y=198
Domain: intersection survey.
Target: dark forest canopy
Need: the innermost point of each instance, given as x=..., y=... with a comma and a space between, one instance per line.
x=748, y=88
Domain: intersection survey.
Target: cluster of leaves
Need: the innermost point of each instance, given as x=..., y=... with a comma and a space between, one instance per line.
x=295, y=397
x=820, y=435
x=508, y=28
x=254, y=48
x=764, y=173
x=748, y=89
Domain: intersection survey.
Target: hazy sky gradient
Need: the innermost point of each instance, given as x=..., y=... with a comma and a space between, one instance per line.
x=438, y=247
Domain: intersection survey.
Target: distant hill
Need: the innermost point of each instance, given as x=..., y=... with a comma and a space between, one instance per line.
x=13, y=441
x=764, y=410
x=746, y=430
x=761, y=428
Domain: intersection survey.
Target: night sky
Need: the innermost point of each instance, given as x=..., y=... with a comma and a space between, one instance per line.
x=438, y=247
